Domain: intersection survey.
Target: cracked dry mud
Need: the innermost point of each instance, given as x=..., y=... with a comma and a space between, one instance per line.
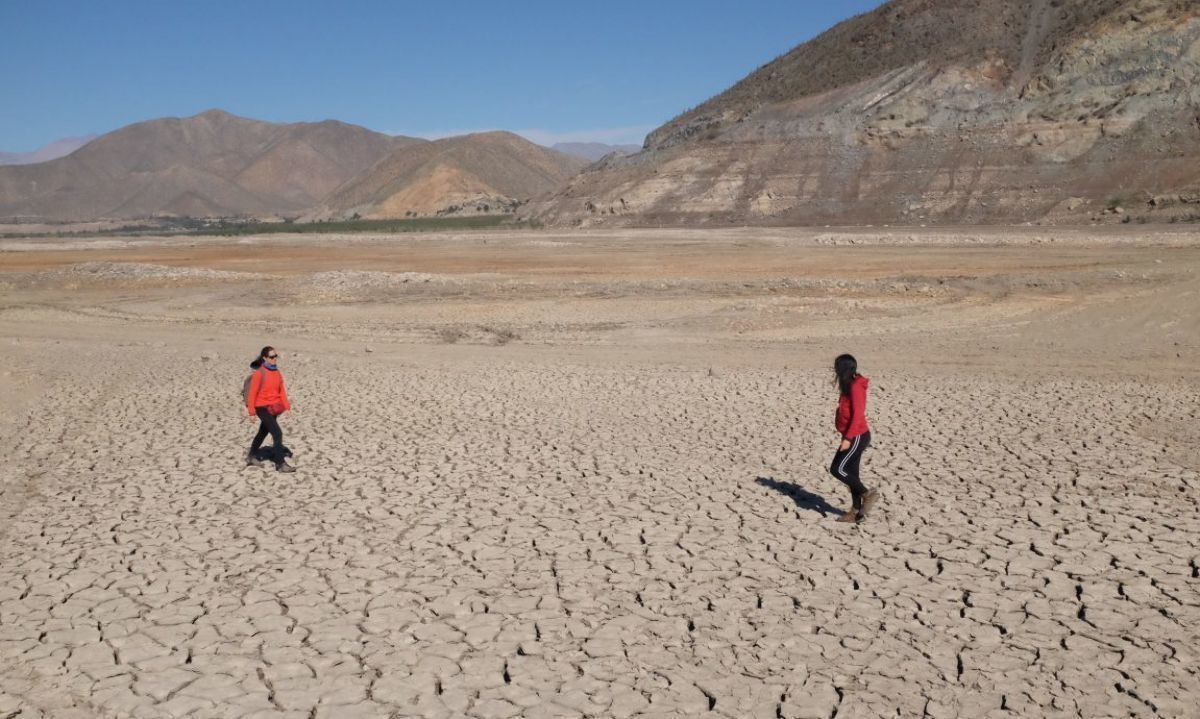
x=548, y=533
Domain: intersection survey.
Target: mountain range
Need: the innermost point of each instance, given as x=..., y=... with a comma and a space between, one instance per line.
x=219, y=165
x=921, y=111
x=212, y=164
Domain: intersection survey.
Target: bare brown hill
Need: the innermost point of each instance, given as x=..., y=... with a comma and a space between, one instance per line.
x=481, y=173
x=212, y=164
x=971, y=111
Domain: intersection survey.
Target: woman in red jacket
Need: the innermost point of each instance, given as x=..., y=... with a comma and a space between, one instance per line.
x=851, y=423
x=266, y=399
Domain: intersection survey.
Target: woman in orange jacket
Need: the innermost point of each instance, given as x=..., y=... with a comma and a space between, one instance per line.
x=266, y=399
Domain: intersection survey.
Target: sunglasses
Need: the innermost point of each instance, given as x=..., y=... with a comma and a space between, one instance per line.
x=272, y=356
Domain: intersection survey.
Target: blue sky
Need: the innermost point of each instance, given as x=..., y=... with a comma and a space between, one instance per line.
x=555, y=71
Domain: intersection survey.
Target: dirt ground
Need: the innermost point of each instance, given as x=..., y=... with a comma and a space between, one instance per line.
x=566, y=474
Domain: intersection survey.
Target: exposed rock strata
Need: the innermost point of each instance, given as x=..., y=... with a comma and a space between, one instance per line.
x=948, y=111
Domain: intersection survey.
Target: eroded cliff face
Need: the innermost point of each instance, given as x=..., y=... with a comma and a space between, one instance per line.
x=1083, y=109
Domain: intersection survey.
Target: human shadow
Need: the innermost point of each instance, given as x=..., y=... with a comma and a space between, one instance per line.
x=266, y=453
x=803, y=498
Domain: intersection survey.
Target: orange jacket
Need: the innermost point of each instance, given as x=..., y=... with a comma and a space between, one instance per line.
x=266, y=389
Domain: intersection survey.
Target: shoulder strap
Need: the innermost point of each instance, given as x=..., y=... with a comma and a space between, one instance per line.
x=250, y=379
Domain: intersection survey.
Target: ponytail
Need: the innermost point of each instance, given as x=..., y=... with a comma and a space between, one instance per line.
x=845, y=370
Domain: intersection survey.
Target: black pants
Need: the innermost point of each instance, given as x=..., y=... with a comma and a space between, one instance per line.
x=268, y=425
x=845, y=466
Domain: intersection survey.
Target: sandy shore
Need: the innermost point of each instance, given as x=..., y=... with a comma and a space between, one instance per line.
x=566, y=475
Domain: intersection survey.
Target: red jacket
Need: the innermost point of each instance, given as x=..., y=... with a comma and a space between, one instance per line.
x=851, y=418
x=266, y=389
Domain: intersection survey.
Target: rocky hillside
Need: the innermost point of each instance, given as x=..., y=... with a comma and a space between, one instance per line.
x=212, y=164
x=484, y=173
x=934, y=111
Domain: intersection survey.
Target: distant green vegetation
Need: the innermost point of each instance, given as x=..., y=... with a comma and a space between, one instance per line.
x=235, y=228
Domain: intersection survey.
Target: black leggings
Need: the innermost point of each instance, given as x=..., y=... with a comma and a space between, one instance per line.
x=845, y=466
x=268, y=425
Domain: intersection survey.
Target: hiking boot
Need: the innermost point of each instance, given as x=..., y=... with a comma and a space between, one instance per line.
x=252, y=461
x=869, y=500
x=850, y=517
x=285, y=468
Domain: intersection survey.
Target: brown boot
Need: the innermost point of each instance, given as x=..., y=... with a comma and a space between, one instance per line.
x=850, y=516
x=869, y=500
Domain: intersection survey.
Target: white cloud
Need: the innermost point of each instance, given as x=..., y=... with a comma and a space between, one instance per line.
x=610, y=136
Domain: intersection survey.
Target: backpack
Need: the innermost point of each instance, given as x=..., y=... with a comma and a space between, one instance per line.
x=246, y=385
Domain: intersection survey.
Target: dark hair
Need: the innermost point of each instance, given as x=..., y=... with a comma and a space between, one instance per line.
x=845, y=369
x=261, y=356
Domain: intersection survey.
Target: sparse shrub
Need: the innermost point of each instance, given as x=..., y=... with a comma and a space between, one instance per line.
x=501, y=336
x=450, y=335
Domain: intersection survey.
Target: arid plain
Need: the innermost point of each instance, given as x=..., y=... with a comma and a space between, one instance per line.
x=566, y=474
